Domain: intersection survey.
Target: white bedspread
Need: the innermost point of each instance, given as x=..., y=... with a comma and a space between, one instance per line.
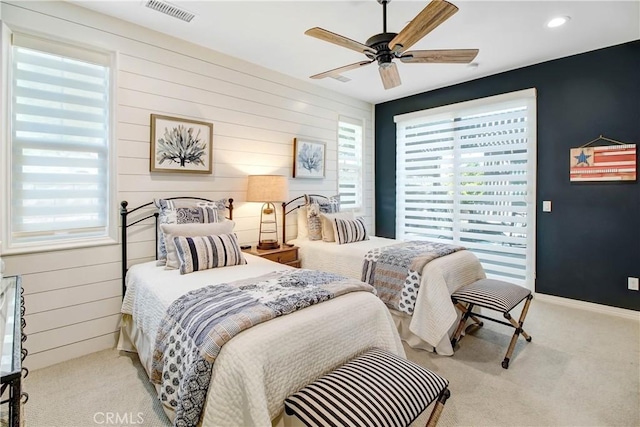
x=260, y=367
x=434, y=313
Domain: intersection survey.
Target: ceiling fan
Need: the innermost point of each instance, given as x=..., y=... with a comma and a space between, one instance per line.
x=385, y=47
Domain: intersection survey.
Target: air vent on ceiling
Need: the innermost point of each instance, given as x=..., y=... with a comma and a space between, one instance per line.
x=169, y=9
x=341, y=78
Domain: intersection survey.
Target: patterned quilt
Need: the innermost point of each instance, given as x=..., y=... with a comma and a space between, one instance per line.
x=396, y=271
x=199, y=323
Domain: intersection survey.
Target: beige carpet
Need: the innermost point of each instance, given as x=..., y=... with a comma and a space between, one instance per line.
x=582, y=369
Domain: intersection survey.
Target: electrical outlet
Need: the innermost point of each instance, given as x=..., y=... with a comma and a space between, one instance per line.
x=632, y=283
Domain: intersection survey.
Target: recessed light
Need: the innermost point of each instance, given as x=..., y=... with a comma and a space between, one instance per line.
x=558, y=21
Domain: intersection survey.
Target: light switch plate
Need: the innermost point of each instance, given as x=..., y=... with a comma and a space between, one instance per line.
x=632, y=284
x=546, y=206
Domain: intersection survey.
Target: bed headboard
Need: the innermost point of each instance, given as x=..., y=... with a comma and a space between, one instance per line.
x=124, y=212
x=293, y=205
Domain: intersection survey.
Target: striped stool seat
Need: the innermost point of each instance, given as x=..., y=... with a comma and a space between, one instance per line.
x=494, y=295
x=375, y=389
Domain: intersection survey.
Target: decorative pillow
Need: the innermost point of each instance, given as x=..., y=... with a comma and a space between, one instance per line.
x=303, y=228
x=327, y=224
x=316, y=206
x=313, y=222
x=327, y=205
x=190, y=230
x=349, y=231
x=185, y=211
x=205, y=252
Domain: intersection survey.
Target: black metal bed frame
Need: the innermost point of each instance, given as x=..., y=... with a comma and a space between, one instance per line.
x=285, y=212
x=124, y=212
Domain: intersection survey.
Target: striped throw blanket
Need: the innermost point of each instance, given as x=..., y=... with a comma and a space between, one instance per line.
x=396, y=271
x=199, y=323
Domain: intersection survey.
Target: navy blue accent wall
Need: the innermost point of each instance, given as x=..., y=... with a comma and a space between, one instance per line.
x=590, y=243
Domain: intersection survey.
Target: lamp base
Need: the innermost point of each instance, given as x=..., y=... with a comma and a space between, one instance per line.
x=268, y=244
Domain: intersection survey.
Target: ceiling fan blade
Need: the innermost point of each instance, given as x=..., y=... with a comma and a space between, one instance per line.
x=336, y=71
x=334, y=38
x=426, y=21
x=390, y=76
x=445, y=56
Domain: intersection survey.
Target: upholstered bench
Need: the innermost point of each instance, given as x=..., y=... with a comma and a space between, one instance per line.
x=494, y=295
x=375, y=389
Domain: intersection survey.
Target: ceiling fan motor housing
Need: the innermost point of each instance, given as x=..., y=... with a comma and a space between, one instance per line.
x=380, y=43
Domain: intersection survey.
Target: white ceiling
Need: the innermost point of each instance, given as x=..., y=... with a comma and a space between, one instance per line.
x=509, y=34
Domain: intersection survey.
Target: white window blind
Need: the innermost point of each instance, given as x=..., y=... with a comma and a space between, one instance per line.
x=466, y=175
x=60, y=179
x=350, y=160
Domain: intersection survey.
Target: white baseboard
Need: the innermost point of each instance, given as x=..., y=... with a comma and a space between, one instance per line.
x=583, y=305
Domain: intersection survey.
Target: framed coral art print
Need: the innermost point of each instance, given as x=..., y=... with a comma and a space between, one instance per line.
x=308, y=159
x=180, y=145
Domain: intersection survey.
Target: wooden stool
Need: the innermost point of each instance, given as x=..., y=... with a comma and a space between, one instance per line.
x=494, y=295
x=375, y=389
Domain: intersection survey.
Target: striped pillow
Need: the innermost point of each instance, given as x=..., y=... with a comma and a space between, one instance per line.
x=190, y=230
x=205, y=252
x=185, y=211
x=349, y=230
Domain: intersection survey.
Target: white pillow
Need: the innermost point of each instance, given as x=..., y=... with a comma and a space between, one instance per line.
x=190, y=230
x=328, y=233
x=303, y=228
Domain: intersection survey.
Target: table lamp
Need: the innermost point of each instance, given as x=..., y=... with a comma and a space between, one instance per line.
x=268, y=189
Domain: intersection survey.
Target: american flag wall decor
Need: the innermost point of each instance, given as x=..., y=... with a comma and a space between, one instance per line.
x=604, y=163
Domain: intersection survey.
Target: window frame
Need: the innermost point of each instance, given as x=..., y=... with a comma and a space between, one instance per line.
x=480, y=106
x=359, y=205
x=110, y=237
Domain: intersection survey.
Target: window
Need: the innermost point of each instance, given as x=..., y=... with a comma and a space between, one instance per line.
x=466, y=175
x=350, y=166
x=60, y=182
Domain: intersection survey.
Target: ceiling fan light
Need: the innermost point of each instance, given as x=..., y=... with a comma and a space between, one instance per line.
x=558, y=21
x=386, y=64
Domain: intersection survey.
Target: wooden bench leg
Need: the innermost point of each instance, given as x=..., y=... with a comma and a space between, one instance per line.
x=517, y=332
x=466, y=315
x=460, y=328
x=462, y=309
x=437, y=409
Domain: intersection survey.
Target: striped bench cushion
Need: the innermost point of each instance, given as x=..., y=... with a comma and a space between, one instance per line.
x=492, y=294
x=375, y=389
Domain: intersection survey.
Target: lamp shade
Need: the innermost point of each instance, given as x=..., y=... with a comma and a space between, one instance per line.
x=267, y=188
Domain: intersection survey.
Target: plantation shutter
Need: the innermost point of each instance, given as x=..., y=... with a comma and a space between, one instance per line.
x=466, y=175
x=350, y=163
x=60, y=141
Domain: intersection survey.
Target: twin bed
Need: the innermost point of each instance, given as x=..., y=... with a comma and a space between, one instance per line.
x=434, y=316
x=255, y=371
x=260, y=367
x=429, y=326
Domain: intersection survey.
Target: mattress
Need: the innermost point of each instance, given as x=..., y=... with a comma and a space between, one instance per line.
x=261, y=366
x=434, y=315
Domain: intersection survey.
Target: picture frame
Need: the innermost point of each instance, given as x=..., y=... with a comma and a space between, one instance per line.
x=615, y=161
x=308, y=159
x=181, y=145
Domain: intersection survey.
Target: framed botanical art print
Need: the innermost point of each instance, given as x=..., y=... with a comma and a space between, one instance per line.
x=308, y=159
x=180, y=145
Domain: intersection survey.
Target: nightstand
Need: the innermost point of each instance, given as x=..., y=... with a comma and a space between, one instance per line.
x=284, y=254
